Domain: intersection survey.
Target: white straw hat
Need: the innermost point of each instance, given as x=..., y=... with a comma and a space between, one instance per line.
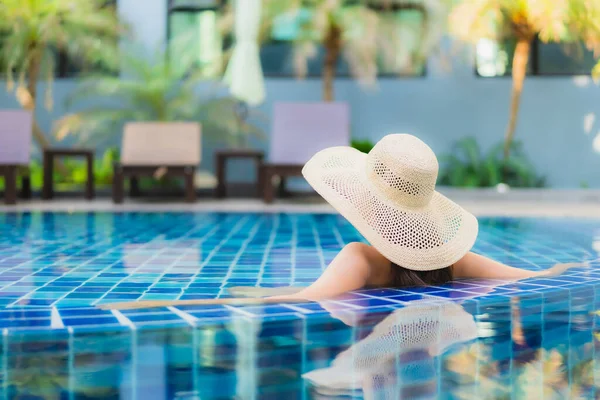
x=389, y=196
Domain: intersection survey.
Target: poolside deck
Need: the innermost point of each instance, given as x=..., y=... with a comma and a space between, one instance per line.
x=481, y=202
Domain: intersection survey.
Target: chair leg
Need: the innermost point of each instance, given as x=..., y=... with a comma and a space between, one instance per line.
x=10, y=185
x=89, y=186
x=118, y=186
x=267, y=178
x=26, y=187
x=134, y=187
x=47, y=187
x=260, y=181
x=190, y=189
x=282, y=191
x=221, y=190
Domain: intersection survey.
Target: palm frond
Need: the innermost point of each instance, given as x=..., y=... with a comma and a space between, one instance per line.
x=558, y=21
x=95, y=120
x=272, y=10
x=33, y=32
x=361, y=29
x=110, y=87
x=472, y=20
x=154, y=89
x=371, y=38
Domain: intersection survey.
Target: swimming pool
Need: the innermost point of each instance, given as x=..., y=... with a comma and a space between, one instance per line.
x=476, y=338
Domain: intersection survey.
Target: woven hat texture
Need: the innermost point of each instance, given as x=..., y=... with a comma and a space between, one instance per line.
x=389, y=196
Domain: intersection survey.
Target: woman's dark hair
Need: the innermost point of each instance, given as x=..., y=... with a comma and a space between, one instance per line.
x=402, y=277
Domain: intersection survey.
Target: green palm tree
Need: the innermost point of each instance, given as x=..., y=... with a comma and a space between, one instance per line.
x=154, y=89
x=564, y=21
x=368, y=34
x=33, y=31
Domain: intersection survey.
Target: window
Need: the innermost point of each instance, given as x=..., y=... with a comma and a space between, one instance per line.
x=194, y=25
x=277, y=53
x=69, y=67
x=197, y=22
x=556, y=59
x=495, y=59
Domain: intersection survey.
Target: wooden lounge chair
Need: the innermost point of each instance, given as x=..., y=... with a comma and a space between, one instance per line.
x=15, y=151
x=155, y=148
x=299, y=131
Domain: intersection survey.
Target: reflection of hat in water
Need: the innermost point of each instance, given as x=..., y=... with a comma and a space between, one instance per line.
x=389, y=196
x=399, y=341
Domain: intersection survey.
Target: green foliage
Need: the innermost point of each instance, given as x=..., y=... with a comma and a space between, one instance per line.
x=154, y=89
x=467, y=166
x=75, y=175
x=374, y=36
x=364, y=145
x=35, y=172
x=77, y=170
x=33, y=30
x=104, y=168
x=566, y=22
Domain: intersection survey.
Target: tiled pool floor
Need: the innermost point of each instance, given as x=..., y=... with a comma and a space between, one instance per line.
x=56, y=267
x=469, y=339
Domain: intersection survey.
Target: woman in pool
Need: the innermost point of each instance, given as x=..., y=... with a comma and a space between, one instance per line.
x=418, y=237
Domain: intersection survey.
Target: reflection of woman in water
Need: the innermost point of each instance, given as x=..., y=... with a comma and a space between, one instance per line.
x=397, y=359
x=418, y=236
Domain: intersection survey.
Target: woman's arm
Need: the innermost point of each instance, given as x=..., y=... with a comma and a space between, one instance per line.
x=476, y=266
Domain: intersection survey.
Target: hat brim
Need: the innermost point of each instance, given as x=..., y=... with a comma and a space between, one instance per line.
x=339, y=175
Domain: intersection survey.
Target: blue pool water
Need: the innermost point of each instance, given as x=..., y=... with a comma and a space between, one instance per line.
x=470, y=339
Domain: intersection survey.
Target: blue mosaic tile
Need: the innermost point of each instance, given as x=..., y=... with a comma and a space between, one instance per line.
x=83, y=312
x=210, y=314
x=325, y=307
x=380, y=292
x=370, y=302
x=408, y=297
x=95, y=320
x=26, y=323
x=265, y=310
x=75, y=261
x=154, y=317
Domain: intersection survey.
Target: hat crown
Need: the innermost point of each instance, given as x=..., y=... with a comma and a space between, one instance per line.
x=404, y=169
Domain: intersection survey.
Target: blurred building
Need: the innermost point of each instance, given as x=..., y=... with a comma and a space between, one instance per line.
x=455, y=94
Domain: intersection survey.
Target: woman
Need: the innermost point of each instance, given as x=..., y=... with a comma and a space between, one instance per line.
x=418, y=236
